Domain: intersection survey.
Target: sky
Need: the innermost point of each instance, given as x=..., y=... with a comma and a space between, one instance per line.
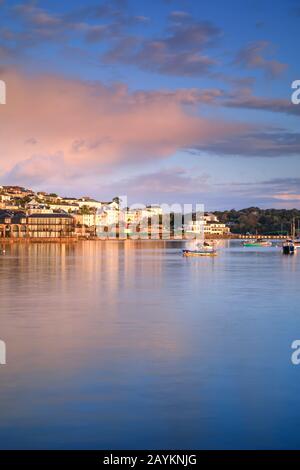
x=164, y=101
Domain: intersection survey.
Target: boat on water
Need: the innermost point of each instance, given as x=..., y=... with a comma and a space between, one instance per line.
x=199, y=252
x=257, y=243
x=290, y=245
x=205, y=249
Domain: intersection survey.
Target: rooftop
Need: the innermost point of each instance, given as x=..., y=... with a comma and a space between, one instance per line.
x=50, y=216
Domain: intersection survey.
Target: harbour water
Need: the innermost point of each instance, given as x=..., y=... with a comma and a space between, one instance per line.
x=114, y=345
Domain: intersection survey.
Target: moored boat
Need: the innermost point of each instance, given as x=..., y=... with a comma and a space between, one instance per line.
x=257, y=243
x=288, y=247
x=204, y=249
x=199, y=252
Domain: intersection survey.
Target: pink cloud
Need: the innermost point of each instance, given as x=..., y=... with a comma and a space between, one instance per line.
x=81, y=127
x=287, y=197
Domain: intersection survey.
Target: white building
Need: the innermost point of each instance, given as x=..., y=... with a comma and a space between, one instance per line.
x=209, y=217
x=88, y=202
x=109, y=214
x=154, y=211
x=34, y=207
x=216, y=228
x=5, y=197
x=137, y=215
x=64, y=206
x=88, y=220
x=209, y=225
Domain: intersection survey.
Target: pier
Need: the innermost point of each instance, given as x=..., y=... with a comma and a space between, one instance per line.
x=260, y=237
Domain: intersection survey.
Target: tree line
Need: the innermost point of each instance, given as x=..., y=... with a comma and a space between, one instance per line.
x=261, y=221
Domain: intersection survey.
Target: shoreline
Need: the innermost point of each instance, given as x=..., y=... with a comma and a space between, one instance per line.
x=95, y=239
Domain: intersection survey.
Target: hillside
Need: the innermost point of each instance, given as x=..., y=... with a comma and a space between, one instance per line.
x=262, y=221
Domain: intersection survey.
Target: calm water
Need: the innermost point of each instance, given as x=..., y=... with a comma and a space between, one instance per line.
x=128, y=345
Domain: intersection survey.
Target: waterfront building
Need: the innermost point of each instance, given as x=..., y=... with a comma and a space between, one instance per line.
x=194, y=227
x=139, y=214
x=109, y=214
x=153, y=211
x=18, y=225
x=87, y=220
x=51, y=225
x=209, y=225
x=132, y=216
x=216, y=228
x=13, y=224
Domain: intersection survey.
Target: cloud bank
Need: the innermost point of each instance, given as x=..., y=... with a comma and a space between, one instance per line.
x=54, y=127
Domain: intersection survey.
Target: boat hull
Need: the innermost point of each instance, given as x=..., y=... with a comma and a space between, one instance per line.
x=289, y=248
x=188, y=253
x=265, y=244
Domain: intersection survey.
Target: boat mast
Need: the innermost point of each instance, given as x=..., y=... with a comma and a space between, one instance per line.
x=293, y=229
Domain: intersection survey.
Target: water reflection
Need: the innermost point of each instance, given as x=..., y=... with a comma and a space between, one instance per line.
x=127, y=345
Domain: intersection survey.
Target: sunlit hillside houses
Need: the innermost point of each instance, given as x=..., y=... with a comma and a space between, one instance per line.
x=35, y=207
x=137, y=214
x=5, y=197
x=107, y=214
x=110, y=213
x=11, y=197
x=74, y=205
x=92, y=203
x=9, y=205
x=90, y=215
x=70, y=207
x=209, y=225
x=16, y=191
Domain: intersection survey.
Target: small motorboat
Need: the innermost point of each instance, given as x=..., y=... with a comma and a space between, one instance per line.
x=204, y=249
x=199, y=252
x=257, y=243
